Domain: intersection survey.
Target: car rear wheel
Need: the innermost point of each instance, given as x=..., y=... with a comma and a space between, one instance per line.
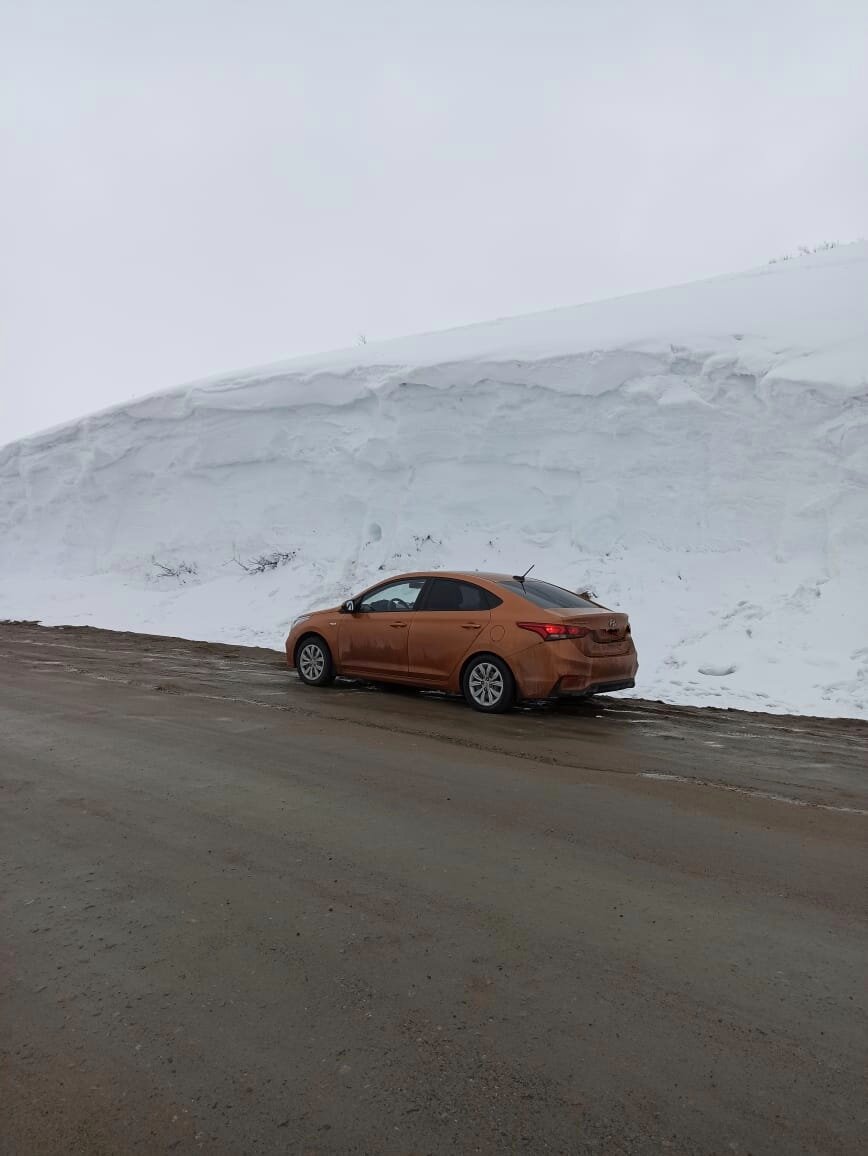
x=488, y=684
x=313, y=661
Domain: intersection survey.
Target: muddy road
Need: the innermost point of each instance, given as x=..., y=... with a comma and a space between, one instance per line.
x=243, y=916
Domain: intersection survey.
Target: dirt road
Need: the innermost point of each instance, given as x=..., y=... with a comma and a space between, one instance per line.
x=243, y=916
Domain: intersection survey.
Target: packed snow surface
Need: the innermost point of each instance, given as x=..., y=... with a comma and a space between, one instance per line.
x=698, y=456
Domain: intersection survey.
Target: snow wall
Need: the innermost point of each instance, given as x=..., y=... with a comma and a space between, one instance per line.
x=697, y=455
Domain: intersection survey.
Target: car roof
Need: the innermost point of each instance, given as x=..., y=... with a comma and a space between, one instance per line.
x=470, y=575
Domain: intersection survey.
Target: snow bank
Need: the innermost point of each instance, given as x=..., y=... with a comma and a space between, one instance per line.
x=697, y=455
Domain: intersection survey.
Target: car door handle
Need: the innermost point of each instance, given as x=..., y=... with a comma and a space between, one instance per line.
x=398, y=625
x=471, y=625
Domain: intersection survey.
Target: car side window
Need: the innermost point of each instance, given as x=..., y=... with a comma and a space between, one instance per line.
x=394, y=598
x=449, y=594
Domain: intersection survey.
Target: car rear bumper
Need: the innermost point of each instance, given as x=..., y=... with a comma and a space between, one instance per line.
x=558, y=669
x=561, y=691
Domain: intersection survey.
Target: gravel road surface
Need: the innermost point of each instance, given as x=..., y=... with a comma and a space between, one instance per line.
x=241, y=916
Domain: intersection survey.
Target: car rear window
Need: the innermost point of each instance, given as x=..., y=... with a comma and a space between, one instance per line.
x=546, y=595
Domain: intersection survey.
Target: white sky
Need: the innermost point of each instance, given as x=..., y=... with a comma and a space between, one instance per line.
x=193, y=186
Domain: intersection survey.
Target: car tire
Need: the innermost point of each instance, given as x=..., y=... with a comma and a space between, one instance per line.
x=313, y=661
x=488, y=684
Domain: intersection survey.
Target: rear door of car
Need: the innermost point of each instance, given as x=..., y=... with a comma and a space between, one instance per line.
x=450, y=617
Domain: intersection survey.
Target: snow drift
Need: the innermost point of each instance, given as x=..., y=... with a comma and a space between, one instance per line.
x=697, y=455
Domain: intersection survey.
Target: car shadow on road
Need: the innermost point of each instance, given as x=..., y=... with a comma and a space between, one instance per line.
x=579, y=708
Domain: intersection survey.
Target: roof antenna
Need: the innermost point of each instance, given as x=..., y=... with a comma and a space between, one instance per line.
x=521, y=577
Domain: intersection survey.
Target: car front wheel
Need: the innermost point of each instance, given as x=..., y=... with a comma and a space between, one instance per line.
x=488, y=684
x=313, y=661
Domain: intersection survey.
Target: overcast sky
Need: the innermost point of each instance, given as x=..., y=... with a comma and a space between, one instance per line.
x=193, y=186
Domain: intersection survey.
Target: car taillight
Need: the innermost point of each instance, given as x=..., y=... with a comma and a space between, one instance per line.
x=554, y=631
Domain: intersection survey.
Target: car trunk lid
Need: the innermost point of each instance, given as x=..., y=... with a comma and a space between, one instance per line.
x=606, y=626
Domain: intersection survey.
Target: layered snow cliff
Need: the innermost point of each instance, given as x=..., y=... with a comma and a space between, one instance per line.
x=697, y=455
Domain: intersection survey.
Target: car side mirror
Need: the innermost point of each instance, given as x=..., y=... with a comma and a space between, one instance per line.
x=348, y=607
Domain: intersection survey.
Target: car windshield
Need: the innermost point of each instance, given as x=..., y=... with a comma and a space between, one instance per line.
x=546, y=595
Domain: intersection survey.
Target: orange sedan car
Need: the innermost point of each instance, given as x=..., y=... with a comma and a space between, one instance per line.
x=495, y=638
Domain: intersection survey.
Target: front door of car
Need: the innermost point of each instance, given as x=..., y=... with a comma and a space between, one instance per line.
x=448, y=622
x=373, y=640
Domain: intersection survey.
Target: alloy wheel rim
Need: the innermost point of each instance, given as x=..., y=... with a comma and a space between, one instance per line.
x=311, y=661
x=486, y=684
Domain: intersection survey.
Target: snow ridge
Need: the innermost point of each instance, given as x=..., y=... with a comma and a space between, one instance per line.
x=698, y=455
